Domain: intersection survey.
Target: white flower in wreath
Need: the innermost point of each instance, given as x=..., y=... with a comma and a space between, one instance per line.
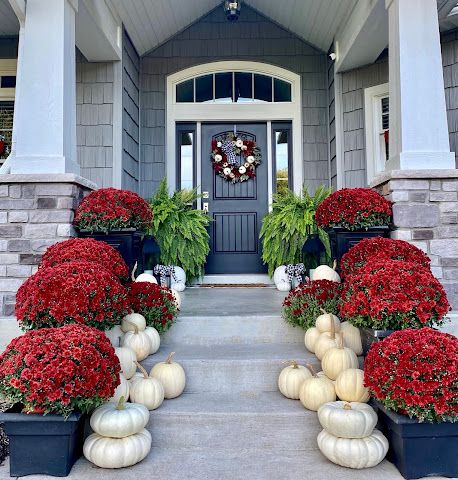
x=244, y=147
x=239, y=143
x=250, y=159
x=234, y=142
x=242, y=169
x=246, y=165
x=225, y=164
x=227, y=171
x=218, y=157
x=219, y=144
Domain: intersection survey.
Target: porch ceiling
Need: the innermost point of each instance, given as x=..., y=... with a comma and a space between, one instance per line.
x=9, y=24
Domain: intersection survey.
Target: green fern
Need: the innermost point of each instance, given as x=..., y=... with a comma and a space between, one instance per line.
x=290, y=223
x=180, y=230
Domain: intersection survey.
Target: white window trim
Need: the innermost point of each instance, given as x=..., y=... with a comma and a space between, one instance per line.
x=372, y=114
x=8, y=67
x=236, y=113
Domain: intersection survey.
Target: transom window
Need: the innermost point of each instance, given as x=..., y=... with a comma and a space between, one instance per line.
x=233, y=87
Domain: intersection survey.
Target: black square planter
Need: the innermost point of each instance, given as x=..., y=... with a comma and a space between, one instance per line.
x=420, y=449
x=43, y=444
x=370, y=336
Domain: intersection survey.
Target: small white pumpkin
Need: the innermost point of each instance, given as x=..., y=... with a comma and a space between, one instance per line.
x=143, y=277
x=338, y=359
x=281, y=279
x=127, y=359
x=119, y=420
x=324, y=322
x=177, y=298
x=310, y=338
x=347, y=420
x=315, y=391
x=352, y=337
x=155, y=339
x=122, y=390
x=171, y=375
x=326, y=340
x=322, y=374
x=291, y=378
x=354, y=452
x=106, y=452
x=147, y=391
x=350, y=386
x=324, y=272
x=137, y=376
x=132, y=320
x=139, y=342
x=114, y=335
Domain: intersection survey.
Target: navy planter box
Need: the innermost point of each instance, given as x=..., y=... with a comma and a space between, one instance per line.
x=420, y=449
x=370, y=336
x=43, y=444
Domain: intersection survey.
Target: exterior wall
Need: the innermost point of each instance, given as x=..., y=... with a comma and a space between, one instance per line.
x=211, y=39
x=130, y=116
x=94, y=120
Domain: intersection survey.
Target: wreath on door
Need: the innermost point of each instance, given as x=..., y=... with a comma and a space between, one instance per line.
x=235, y=159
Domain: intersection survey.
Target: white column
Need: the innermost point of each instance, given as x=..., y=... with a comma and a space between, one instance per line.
x=418, y=119
x=45, y=115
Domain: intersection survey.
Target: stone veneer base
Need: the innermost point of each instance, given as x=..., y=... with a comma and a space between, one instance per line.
x=36, y=211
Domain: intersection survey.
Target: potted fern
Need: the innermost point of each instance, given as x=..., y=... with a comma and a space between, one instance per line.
x=180, y=230
x=290, y=224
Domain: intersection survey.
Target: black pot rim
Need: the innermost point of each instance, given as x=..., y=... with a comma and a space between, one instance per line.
x=368, y=229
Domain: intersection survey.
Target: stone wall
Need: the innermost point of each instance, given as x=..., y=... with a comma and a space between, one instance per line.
x=425, y=213
x=35, y=212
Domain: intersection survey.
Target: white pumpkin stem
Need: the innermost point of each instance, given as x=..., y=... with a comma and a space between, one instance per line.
x=121, y=403
x=142, y=370
x=133, y=325
x=333, y=326
x=347, y=406
x=169, y=358
x=133, y=272
x=340, y=342
x=334, y=265
x=323, y=311
x=294, y=364
x=312, y=370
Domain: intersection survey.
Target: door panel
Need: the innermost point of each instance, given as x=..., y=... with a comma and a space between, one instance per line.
x=236, y=209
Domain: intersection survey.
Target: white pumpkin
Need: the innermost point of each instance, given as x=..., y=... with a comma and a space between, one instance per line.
x=119, y=420
x=171, y=375
x=127, y=359
x=347, y=420
x=324, y=322
x=139, y=342
x=291, y=378
x=114, y=335
x=281, y=279
x=132, y=320
x=326, y=340
x=147, y=391
x=310, y=338
x=354, y=452
x=338, y=359
x=179, y=282
x=155, y=339
x=122, y=390
x=322, y=374
x=315, y=391
x=177, y=298
x=350, y=386
x=137, y=376
x=146, y=277
x=352, y=337
x=324, y=272
x=106, y=452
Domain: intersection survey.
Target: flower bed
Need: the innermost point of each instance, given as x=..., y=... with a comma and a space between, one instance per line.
x=58, y=370
x=156, y=303
x=302, y=305
x=89, y=250
x=353, y=209
x=393, y=295
x=74, y=292
x=112, y=209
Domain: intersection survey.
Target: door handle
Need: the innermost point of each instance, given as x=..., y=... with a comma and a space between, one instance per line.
x=205, y=208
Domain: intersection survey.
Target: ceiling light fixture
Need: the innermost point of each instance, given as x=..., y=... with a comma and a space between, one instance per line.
x=232, y=10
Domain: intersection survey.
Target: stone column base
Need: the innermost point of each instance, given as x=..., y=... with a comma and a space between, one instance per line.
x=425, y=213
x=35, y=212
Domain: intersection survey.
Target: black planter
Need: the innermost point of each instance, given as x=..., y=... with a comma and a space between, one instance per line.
x=370, y=336
x=151, y=253
x=128, y=242
x=420, y=449
x=43, y=444
x=342, y=239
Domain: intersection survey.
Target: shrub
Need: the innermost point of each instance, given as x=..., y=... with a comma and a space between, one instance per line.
x=88, y=250
x=155, y=303
x=380, y=248
x=58, y=370
x=112, y=209
x=392, y=294
x=415, y=372
x=302, y=305
x=353, y=209
x=74, y=292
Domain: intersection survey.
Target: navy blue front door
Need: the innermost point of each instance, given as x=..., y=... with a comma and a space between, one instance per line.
x=236, y=209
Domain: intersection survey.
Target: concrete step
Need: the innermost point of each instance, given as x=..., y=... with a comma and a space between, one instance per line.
x=232, y=329
x=236, y=279
x=233, y=368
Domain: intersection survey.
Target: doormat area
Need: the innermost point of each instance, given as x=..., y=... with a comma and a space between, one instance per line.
x=233, y=285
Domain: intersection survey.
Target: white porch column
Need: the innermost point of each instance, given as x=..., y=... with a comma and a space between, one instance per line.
x=418, y=120
x=45, y=115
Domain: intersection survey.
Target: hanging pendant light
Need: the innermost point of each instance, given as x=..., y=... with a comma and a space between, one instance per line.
x=232, y=10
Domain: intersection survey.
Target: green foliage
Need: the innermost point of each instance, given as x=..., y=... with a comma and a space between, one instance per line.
x=180, y=230
x=290, y=223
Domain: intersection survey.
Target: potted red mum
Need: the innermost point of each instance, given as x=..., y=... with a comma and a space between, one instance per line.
x=54, y=376
x=117, y=217
x=413, y=375
x=351, y=214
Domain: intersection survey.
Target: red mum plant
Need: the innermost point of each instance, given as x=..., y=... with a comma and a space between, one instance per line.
x=156, y=303
x=58, y=370
x=380, y=248
x=353, y=209
x=303, y=304
x=393, y=295
x=113, y=209
x=88, y=250
x=74, y=292
x=415, y=372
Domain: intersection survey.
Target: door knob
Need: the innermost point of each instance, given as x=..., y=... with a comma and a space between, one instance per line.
x=205, y=207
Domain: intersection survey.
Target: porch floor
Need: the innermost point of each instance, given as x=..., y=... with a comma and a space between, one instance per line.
x=231, y=422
